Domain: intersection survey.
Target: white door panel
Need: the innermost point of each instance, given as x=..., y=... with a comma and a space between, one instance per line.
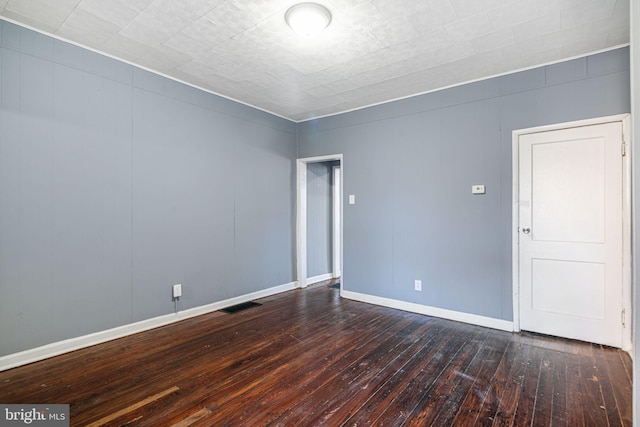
x=570, y=242
x=562, y=193
x=555, y=282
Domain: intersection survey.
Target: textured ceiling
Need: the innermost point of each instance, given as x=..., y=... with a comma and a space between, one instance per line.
x=373, y=51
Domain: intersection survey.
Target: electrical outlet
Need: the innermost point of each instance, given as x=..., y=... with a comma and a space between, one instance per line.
x=478, y=189
x=418, y=285
x=177, y=290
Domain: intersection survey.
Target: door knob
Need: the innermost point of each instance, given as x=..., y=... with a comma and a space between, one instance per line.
x=526, y=230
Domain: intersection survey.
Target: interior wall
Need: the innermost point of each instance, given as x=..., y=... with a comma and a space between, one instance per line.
x=415, y=218
x=116, y=183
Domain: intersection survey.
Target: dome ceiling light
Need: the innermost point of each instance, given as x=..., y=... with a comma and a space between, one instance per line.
x=308, y=19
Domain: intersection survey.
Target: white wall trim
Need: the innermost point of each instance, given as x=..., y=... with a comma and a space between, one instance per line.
x=574, y=124
x=515, y=224
x=635, y=134
x=627, y=230
x=301, y=223
x=337, y=221
x=626, y=253
x=320, y=278
x=473, y=319
x=54, y=349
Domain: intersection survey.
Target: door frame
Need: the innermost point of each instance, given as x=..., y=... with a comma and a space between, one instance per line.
x=301, y=214
x=336, y=208
x=626, y=216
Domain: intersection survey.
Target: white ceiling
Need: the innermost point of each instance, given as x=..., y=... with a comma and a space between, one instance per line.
x=373, y=51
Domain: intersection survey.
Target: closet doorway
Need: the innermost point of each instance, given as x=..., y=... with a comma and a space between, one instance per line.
x=319, y=219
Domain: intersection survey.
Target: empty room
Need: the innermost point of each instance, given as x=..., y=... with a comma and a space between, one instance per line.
x=338, y=212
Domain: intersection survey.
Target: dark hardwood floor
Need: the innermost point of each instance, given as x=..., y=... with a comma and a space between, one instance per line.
x=309, y=358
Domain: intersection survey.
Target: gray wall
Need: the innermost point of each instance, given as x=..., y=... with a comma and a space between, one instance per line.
x=116, y=183
x=411, y=164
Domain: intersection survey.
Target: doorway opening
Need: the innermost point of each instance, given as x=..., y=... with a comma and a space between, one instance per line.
x=319, y=204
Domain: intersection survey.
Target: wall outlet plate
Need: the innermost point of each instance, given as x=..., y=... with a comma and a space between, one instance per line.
x=477, y=189
x=417, y=285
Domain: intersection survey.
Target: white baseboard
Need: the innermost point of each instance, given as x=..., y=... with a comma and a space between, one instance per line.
x=320, y=278
x=473, y=319
x=54, y=349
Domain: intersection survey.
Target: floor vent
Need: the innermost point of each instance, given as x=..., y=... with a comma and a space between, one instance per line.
x=335, y=285
x=239, y=307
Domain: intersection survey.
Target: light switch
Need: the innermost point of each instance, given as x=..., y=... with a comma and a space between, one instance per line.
x=177, y=290
x=477, y=189
x=352, y=199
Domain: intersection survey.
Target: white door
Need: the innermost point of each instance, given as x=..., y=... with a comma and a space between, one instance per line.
x=570, y=233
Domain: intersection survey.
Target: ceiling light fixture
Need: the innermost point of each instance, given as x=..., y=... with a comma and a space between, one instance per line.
x=308, y=19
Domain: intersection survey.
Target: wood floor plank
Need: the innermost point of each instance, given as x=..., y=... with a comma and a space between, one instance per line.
x=238, y=381
x=627, y=363
x=447, y=388
x=453, y=357
x=380, y=400
x=214, y=362
x=474, y=400
x=193, y=418
x=543, y=408
x=491, y=351
x=348, y=382
x=526, y=403
x=613, y=414
x=374, y=381
x=592, y=403
x=131, y=408
x=353, y=350
x=308, y=357
x=617, y=385
x=509, y=399
x=493, y=403
x=559, y=409
x=575, y=415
